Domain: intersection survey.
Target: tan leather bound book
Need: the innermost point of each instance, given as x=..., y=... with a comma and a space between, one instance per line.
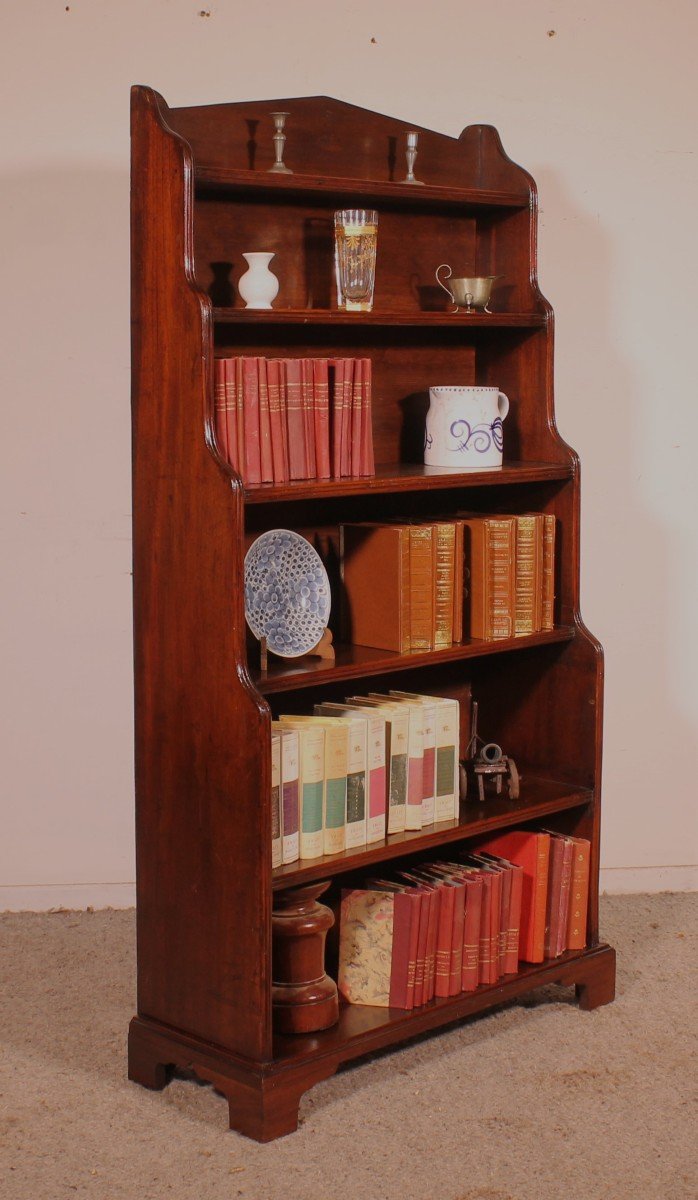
x=490, y=555
x=444, y=545
x=421, y=600
x=579, y=895
x=529, y=574
x=548, y=573
x=375, y=570
x=458, y=581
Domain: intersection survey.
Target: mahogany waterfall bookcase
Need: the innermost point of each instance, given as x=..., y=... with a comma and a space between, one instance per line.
x=201, y=196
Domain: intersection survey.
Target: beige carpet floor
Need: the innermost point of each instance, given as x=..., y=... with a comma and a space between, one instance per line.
x=537, y=1100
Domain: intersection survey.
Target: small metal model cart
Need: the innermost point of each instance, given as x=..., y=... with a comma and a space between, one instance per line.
x=486, y=763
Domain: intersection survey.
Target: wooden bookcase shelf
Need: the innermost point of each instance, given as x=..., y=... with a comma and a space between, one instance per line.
x=539, y=798
x=309, y=316
x=362, y=662
x=227, y=179
x=408, y=477
x=201, y=197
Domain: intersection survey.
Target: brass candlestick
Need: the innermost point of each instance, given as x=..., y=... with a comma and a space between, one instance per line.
x=410, y=155
x=279, y=119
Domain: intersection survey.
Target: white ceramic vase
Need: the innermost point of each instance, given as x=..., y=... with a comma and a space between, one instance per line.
x=464, y=427
x=258, y=286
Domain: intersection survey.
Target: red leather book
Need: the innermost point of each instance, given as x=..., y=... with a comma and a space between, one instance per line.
x=368, y=466
x=422, y=933
x=308, y=416
x=532, y=852
x=321, y=410
x=454, y=982
x=470, y=972
x=357, y=417
x=345, y=460
x=444, y=939
x=283, y=406
x=219, y=407
x=276, y=420
x=239, y=416
x=552, y=908
x=295, y=421
x=250, y=386
x=231, y=414
x=511, y=957
x=403, y=913
x=265, y=449
x=337, y=378
x=432, y=900
x=495, y=923
x=506, y=870
x=415, y=897
x=485, y=960
x=579, y=895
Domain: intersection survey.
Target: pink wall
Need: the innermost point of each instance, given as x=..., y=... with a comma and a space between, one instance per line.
x=602, y=113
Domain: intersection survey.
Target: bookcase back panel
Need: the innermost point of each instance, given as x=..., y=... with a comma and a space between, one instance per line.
x=331, y=138
x=410, y=248
x=406, y=362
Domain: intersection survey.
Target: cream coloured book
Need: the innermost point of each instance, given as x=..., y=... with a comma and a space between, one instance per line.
x=357, y=726
x=397, y=731
x=311, y=759
x=447, y=739
x=335, y=779
x=276, y=842
x=375, y=786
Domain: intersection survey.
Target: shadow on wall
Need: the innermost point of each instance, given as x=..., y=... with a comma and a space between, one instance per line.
x=625, y=550
x=67, y=599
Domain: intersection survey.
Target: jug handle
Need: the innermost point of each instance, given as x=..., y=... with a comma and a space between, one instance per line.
x=445, y=267
x=503, y=406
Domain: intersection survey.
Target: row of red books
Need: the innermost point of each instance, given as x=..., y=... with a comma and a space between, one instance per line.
x=442, y=928
x=280, y=419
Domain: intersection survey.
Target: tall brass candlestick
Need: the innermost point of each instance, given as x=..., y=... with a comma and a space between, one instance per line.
x=279, y=143
x=410, y=155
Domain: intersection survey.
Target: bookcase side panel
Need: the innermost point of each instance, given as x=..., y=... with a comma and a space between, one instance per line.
x=202, y=732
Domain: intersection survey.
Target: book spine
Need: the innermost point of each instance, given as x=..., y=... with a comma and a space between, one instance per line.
x=454, y=983
x=321, y=410
x=219, y=407
x=458, y=582
x=444, y=938
x=357, y=417
x=415, y=767
x=308, y=401
x=421, y=964
x=345, y=459
x=295, y=422
x=548, y=572
x=404, y=630
x=231, y=412
x=444, y=545
x=239, y=374
x=335, y=816
x=398, y=726
x=552, y=907
x=511, y=958
x=447, y=740
x=283, y=406
x=356, y=783
x=526, y=575
x=276, y=420
x=429, y=766
x=565, y=886
x=495, y=925
x=471, y=935
x=400, y=959
x=290, y=806
x=579, y=896
x=337, y=373
x=504, y=918
x=416, y=905
x=377, y=779
x=501, y=577
x=432, y=934
x=253, y=467
x=312, y=790
x=276, y=839
x=421, y=587
x=540, y=896
x=265, y=447
x=368, y=466
x=484, y=962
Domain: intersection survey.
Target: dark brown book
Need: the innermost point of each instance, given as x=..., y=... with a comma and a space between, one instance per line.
x=548, y=573
x=421, y=597
x=375, y=571
x=552, y=911
x=528, y=574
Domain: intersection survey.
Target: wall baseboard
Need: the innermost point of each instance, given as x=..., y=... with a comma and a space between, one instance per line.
x=617, y=881
x=51, y=896
x=48, y=897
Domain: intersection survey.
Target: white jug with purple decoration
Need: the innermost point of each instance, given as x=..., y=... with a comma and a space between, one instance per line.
x=464, y=427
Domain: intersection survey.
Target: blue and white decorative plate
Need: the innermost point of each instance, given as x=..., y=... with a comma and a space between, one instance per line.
x=287, y=592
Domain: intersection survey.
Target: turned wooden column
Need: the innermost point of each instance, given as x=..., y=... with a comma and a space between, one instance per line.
x=304, y=998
